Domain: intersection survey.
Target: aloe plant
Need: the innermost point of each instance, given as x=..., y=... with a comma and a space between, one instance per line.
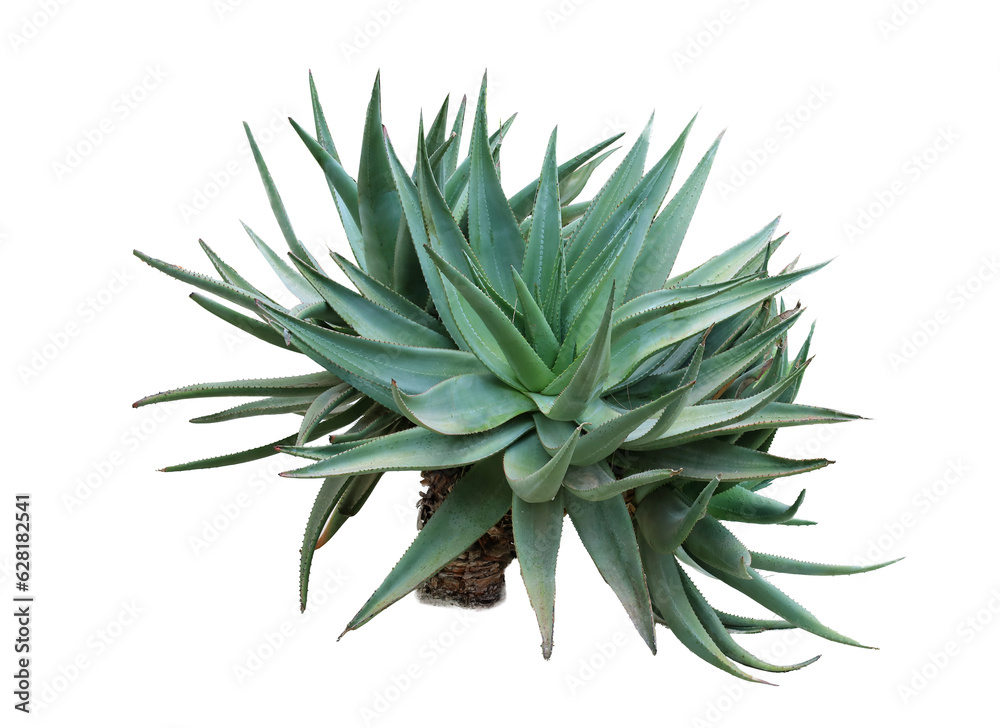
x=536, y=357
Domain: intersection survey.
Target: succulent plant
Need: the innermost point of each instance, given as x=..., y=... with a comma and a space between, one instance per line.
x=536, y=357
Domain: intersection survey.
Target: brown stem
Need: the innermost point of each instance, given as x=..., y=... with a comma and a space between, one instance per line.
x=475, y=578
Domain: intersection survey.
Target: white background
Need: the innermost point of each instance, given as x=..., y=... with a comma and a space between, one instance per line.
x=893, y=130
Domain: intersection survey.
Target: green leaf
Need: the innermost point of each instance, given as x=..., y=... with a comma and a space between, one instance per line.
x=720, y=370
x=727, y=332
x=707, y=459
x=649, y=195
x=294, y=282
x=254, y=327
x=456, y=189
x=368, y=318
x=647, y=340
x=573, y=183
x=733, y=262
x=324, y=452
x=770, y=597
x=230, y=275
x=751, y=625
x=532, y=473
x=789, y=395
x=277, y=207
x=587, y=382
x=255, y=453
x=450, y=159
x=537, y=531
x=416, y=449
x=493, y=232
x=268, y=406
x=437, y=158
x=698, y=422
x=436, y=135
x=680, y=399
x=614, y=191
x=319, y=118
x=430, y=222
x=355, y=495
x=582, y=299
x=552, y=433
x=605, y=527
x=601, y=441
x=571, y=176
x=717, y=631
x=298, y=386
x=326, y=500
x=527, y=366
x=337, y=399
x=712, y=543
x=374, y=421
x=474, y=505
x=666, y=518
x=407, y=275
x=671, y=601
x=541, y=255
x=597, y=482
x=385, y=297
x=536, y=326
x=370, y=366
x=343, y=188
x=223, y=290
x=667, y=231
x=236, y=458
x=378, y=201
x=776, y=414
x=652, y=305
x=740, y=504
x=462, y=405
x=785, y=565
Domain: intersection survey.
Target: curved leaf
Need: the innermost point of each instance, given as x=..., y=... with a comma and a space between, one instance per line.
x=571, y=174
x=537, y=531
x=671, y=601
x=299, y=386
x=770, y=597
x=385, y=297
x=368, y=318
x=541, y=254
x=532, y=473
x=415, y=449
x=740, y=504
x=268, y=406
x=254, y=327
x=720, y=635
x=462, y=405
x=277, y=207
x=785, y=565
x=597, y=482
x=379, y=210
x=707, y=459
x=712, y=543
x=666, y=233
x=666, y=519
x=326, y=500
x=370, y=366
x=587, y=382
x=474, y=505
x=605, y=528
x=324, y=405
x=493, y=233
x=527, y=366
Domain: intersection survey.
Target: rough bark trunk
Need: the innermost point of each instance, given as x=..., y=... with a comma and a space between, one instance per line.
x=476, y=577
